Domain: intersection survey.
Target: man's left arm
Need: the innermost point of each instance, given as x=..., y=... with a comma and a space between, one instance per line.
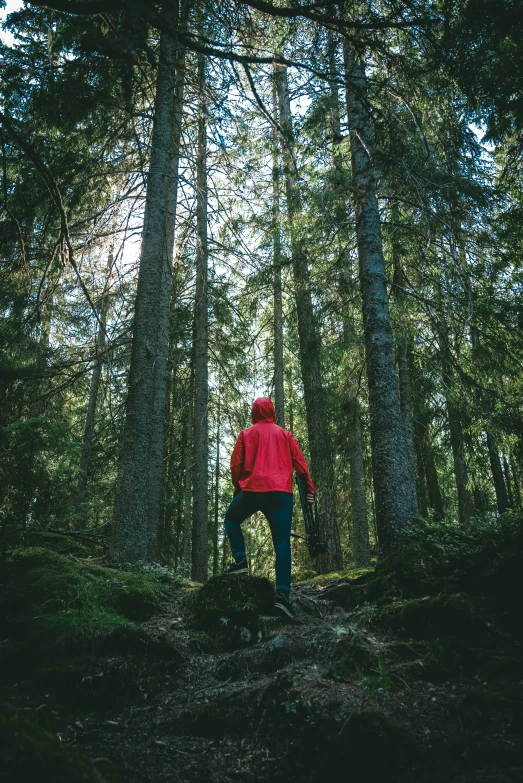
x=237, y=457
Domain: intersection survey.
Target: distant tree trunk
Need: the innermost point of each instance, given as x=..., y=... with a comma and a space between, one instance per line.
x=495, y=461
x=87, y=445
x=430, y=493
x=158, y=418
x=200, y=544
x=461, y=471
x=359, y=532
x=130, y=527
x=279, y=393
x=394, y=485
x=492, y=442
x=188, y=474
x=215, y=558
x=403, y=350
x=317, y=425
x=421, y=478
x=515, y=478
x=508, y=481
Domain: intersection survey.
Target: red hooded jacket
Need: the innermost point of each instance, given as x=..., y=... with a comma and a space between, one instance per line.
x=265, y=454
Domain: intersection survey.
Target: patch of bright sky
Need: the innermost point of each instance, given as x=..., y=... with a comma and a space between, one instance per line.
x=11, y=6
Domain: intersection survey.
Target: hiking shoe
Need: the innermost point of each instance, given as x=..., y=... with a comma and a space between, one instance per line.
x=239, y=568
x=284, y=607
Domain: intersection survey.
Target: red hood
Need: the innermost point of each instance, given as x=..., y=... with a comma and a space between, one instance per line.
x=263, y=410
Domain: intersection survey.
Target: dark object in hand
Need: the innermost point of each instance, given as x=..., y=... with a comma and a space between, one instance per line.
x=310, y=514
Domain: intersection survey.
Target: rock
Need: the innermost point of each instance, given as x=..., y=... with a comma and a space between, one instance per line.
x=230, y=607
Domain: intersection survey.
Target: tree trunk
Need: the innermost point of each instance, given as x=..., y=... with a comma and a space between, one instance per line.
x=130, y=527
x=428, y=474
x=317, y=426
x=279, y=393
x=200, y=546
x=394, y=486
x=215, y=558
x=508, y=481
x=158, y=418
x=421, y=479
x=403, y=350
x=461, y=471
x=87, y=445
x=188, y=473
x=359, y=533
x=495, y=465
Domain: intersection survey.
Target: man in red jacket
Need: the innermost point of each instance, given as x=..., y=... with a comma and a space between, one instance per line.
x=261, y=468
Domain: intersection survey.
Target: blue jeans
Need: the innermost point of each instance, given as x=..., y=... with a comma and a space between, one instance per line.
x=277, y=508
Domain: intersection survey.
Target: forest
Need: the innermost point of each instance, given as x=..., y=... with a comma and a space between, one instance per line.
x=204, y=203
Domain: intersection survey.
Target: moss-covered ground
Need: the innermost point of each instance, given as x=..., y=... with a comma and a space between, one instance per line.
x=410, y=672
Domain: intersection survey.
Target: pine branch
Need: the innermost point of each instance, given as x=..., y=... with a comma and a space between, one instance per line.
x=64, y=240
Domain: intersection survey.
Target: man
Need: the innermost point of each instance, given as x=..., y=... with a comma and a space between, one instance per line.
x=261, y=468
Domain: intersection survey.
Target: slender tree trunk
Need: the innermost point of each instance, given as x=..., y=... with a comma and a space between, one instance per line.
x=403, y=349
x=200, y=544
x=188, y=480
x=130, y=526
x=461, y=471
x=158, y=419
x=428, y=474
x=431, y=474
x=394, y=485
x=508, y=482
x=421, y=478
x=87, y=445
x=215, y=559
x=279, y=394
x=495, y=465
x=359, y=532
x=317, y=424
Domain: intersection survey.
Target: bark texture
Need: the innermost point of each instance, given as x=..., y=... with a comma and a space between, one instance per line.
x=130, y=529
x=158, y=418
x=403, y=350
x=359, y=526
x=200, y=544
x=394, y=487
x=279, y=393
x=317, y=426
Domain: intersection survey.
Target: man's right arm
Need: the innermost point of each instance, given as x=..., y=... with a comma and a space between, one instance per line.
x=299, y=464
x=237, y=457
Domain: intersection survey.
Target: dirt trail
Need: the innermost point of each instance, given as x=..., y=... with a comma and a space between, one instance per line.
x=338, y=693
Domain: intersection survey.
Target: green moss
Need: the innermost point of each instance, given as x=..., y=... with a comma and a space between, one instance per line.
x=64, y=545
x=351, y=573
x=29, y=753
x=49, y=600
x=229, y=607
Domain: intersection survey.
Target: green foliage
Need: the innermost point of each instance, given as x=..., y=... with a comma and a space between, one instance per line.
x=50, y=602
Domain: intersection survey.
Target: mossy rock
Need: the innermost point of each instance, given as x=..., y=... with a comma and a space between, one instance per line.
x=353, y=656
x=30, y=754
x=64, y=545
x=454, y=614
x=51, y=603
x=229, y=607
x=128, y=640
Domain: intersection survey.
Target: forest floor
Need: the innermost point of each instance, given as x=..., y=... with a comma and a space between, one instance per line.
x=389, y=687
